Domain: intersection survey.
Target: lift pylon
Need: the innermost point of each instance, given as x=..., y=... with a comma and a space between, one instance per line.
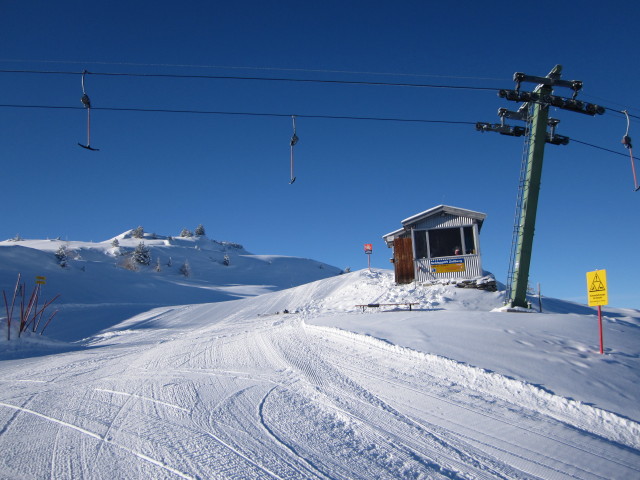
x=537, y=102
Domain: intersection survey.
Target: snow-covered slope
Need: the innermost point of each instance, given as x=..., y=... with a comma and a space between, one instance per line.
x=99, y=288
x=96, y=270
x=240, y=389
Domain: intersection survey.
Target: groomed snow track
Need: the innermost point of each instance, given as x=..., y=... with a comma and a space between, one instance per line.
x=246, y=397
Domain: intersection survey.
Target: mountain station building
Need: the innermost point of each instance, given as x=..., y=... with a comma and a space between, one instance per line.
x=440, y=243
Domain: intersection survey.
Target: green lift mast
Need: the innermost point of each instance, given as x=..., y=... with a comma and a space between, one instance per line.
x=534, y=111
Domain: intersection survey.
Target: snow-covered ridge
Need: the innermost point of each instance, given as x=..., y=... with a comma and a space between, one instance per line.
x=103, y=284
x=177, y=270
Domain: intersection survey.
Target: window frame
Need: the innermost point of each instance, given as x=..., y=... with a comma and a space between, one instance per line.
x=419, y=246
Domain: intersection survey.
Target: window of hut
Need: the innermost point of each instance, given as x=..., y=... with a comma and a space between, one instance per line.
x=444, y=242
x=420, y=239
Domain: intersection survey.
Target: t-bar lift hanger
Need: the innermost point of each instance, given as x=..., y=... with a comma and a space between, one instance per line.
x=87, y=104
x=294, y=140
x=626, y=141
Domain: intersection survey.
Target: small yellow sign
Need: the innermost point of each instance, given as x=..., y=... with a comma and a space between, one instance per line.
x=597, y=288
x=448, y=268
x=41, y=280
x=447, y=265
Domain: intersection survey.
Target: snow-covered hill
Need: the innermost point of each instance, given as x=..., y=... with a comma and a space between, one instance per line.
x=99, y=275
x=452, y=389
x=94, y=270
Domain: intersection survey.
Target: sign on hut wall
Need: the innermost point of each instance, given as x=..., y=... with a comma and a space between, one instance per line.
x=446, y=265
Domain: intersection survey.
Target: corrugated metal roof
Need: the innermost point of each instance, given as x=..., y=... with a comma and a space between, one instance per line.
x=391, y=236
x=446, y=209
x=460, y=212
x=394, y=233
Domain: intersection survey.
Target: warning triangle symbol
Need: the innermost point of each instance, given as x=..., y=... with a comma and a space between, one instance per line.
x=596, y=284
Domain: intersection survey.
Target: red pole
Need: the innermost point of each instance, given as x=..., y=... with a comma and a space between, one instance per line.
x=600, y=325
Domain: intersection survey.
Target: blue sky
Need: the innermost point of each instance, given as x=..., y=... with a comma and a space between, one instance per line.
x=356, y=179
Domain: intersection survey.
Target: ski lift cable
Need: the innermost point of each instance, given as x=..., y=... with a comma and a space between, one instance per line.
x=268, y=79
x=274, y=79
x=267, y=114
x=250, y=114
x=307, y=80
x=574, y=140
x=245, y=67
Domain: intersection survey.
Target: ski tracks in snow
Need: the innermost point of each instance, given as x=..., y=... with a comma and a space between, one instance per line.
x=255, y=398
x=524, y=426
x=54, y=473
x=380, y=436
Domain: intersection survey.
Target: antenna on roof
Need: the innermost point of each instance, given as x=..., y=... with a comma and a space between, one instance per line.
x=87, y=104
x=294, y=140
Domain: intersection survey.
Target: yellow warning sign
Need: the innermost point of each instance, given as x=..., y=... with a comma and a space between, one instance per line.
x=41, y=280
x=597, y=288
